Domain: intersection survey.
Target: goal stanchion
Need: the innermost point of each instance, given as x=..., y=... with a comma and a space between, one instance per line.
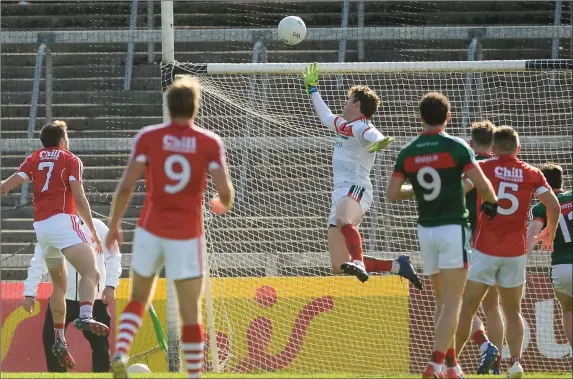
x=275, y=304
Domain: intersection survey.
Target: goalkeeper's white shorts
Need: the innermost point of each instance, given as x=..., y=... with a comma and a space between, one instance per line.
x=562, y=278
x=361, y=194
x=182, y=259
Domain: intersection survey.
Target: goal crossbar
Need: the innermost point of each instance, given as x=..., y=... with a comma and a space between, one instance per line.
x=378, y=67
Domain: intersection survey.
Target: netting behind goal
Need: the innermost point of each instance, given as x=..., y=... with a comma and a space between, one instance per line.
x=276, y=305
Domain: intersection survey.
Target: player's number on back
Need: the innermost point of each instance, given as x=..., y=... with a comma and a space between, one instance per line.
x=50, y=166
x=504, y=192
x=429, y=179
x=180, y=178
x=564, y=228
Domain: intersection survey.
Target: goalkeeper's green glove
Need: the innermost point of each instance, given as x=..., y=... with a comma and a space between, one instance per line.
x=310, y=77
x=381, y=145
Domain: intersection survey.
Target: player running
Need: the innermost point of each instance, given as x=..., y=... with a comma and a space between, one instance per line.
x=500, y=245
x=56, y=176
x=355, y=145
x=176, y=158
x=561, y=271
x=481, y=142
x=433, y=163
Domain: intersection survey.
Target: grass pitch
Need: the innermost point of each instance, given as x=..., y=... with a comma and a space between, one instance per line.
x=266, y=375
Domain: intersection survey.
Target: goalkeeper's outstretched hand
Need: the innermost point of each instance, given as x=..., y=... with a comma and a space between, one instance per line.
x=381, y=145
x=310, y=77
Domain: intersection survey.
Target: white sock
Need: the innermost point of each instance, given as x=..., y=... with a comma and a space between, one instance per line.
x=437, y=367
x=395, y=267
x=359, y=263
x=484, y=347
x=86, y=309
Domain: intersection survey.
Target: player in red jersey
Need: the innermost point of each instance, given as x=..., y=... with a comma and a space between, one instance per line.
x=500, y=245
x=176, y=158
x=56, y=176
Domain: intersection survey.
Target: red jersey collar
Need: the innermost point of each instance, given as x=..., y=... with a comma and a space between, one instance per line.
x=489, y=155
x=433, y=131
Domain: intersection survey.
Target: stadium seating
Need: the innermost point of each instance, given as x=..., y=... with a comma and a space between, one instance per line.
x=88, y=82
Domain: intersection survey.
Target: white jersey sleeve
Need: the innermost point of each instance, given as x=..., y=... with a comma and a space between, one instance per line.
x=366, y=133
x=330, y=120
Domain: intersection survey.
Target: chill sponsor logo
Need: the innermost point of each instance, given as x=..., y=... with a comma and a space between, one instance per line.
x=50, y=155
x=179, y=145
x=509, y=174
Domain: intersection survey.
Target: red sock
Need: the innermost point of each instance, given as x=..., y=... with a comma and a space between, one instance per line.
x=479, y=337
x=129, y=323
x=192, y=346
x=376, y=265
x=451, y=360
x=438, y=357
x=353, y=241
x=515, y=359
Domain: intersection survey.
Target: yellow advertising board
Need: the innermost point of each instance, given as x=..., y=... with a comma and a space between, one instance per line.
x=331, y=324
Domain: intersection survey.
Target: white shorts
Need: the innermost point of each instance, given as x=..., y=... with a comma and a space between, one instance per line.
x=506, y=272
x=562, y=278
x=58, y=232
x=358, y=193
x=182, y=259
x=443, y=247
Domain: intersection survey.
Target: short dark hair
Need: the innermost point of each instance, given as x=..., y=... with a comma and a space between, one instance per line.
x=434, y=108
x=369, y=101
x=505, y=139
x=553, y=174
x=52, y=134
x=482, y=133
x=183, y=97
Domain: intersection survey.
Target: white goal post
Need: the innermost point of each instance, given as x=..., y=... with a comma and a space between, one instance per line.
x=273, y=304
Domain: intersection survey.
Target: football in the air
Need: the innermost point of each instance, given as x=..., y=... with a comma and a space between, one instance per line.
x=292, y=30
x=139, y=368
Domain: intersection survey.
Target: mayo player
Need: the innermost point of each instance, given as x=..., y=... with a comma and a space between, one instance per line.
x=356, y=144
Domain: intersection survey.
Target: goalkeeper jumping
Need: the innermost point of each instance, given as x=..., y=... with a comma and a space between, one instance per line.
x=355, y=147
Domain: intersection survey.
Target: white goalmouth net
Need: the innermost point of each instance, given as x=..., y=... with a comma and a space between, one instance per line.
x=276, y=305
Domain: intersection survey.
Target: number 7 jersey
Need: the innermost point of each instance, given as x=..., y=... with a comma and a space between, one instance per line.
x=178, y=159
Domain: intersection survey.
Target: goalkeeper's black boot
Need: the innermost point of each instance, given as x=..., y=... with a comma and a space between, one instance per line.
x=355, y=268
x=62, y=354
x=89, y=324
x=119, y=366
x=408, y=272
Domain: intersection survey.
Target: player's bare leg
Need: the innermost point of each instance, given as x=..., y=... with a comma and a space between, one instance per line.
x=515, y=327
x=189, y=296
x=130, y=321
x=566, y=302
x=58, y=272
x=495, y=324
x=82, y=257
x=450, y=294
x=340, y=252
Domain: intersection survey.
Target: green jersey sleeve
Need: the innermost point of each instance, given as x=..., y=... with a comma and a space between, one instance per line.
x=464, y=154
x=539, y=212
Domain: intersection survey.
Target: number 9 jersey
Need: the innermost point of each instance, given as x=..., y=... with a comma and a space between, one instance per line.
x=177, y=158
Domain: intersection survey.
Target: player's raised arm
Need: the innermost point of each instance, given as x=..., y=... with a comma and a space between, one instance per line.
x=310, y=78
x=17, y=179
x=222, y=180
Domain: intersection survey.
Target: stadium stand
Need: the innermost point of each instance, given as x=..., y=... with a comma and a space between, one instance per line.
x=88, y=78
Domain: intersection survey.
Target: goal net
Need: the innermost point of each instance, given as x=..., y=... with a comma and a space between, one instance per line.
x=276, y=305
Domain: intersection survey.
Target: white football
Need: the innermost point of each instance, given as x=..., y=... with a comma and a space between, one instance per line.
x=292, y=30
x=139, y=368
